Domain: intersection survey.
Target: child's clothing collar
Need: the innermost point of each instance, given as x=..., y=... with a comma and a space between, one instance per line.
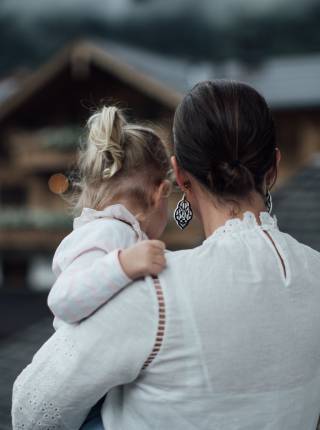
x=117, y=211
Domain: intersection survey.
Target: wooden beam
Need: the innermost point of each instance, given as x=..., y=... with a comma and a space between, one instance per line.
x=30, y=240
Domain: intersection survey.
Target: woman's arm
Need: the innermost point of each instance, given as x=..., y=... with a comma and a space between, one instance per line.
x=80, y=363
x=89, y=282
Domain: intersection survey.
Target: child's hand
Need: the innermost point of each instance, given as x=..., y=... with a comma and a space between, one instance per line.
x=144, y=258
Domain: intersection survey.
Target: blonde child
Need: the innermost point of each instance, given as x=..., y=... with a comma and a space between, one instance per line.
x=122, y=196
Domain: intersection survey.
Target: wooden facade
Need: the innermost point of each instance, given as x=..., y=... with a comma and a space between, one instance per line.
x=39, y=129
x=35, y=125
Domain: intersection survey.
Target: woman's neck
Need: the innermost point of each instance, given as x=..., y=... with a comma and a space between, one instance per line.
x=214, y=215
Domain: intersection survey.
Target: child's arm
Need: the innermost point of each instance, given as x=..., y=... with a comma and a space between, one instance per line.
x=144, y=258
x=78, y=292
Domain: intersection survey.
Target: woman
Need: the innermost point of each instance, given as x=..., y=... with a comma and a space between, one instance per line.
x=228, y=338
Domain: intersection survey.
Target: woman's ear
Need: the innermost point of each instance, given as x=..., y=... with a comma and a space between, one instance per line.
x=278, y=157
x=179, y=174
x=272, y=175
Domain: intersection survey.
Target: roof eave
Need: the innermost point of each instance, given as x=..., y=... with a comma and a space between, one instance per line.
x=126, y=73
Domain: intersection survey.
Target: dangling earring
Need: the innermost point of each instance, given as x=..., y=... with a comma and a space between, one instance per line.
x=183, y=213
x=268, y=201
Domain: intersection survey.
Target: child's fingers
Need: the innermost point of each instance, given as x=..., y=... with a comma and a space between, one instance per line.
x=157, y=265
x=156, y=269
x=159, y=260
x=157, y=252
x=157, y=244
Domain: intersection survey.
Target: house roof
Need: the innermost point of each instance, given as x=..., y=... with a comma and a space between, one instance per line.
x=286, y=82
x=297, y=205
x=8, y=87
x=80, y=54
x=173, y=72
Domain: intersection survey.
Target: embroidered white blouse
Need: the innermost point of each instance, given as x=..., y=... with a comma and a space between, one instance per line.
x=79, y=289
x=240, y=348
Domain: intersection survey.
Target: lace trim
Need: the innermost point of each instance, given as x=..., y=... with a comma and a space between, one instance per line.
x=249, y=221
x=161, y=323
x=49, y=413
x=27, y=393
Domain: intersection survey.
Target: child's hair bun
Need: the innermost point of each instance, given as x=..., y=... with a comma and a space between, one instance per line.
x=106, y=136
x=118, y=161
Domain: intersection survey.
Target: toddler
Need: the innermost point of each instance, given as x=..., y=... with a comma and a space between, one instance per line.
x=122, y=194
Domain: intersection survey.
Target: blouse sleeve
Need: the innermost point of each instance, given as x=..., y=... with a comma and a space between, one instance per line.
x=81, y=362
x=89, y=282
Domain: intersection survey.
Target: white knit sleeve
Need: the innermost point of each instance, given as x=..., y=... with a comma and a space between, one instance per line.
x=89, y=282
x=81, y=362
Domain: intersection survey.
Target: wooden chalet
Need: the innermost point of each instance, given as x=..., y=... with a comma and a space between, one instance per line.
x=40, y=126
x=41, y=121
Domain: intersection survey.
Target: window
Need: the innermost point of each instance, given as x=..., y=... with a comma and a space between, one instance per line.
x=13, y=195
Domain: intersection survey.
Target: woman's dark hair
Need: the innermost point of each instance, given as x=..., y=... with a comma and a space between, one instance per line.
x=224, y=135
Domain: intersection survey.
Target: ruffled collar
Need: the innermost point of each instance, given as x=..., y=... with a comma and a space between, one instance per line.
x=117, y=211
x=249, y=221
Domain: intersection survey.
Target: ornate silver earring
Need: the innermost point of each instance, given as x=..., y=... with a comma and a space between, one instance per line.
x=183, y=213
x=268, y=201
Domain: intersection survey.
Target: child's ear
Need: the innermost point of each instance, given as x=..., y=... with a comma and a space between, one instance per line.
x=156, y=197
x=162, y=191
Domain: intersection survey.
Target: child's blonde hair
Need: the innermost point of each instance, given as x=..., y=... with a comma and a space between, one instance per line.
x=119, y=160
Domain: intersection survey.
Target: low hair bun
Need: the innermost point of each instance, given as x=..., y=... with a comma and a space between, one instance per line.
x=231, y=179
x=224, y=135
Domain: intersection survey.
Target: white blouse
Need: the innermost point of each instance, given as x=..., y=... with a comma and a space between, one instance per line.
x=240, y=349
x=81, y=289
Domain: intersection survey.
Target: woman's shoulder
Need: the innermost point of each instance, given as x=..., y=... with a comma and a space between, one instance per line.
x=174, y=257
x=197, y=251
x=184, y=263
x=300, y=250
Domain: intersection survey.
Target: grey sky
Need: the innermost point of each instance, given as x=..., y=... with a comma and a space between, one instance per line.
x=38, y=28
x=222, y=10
